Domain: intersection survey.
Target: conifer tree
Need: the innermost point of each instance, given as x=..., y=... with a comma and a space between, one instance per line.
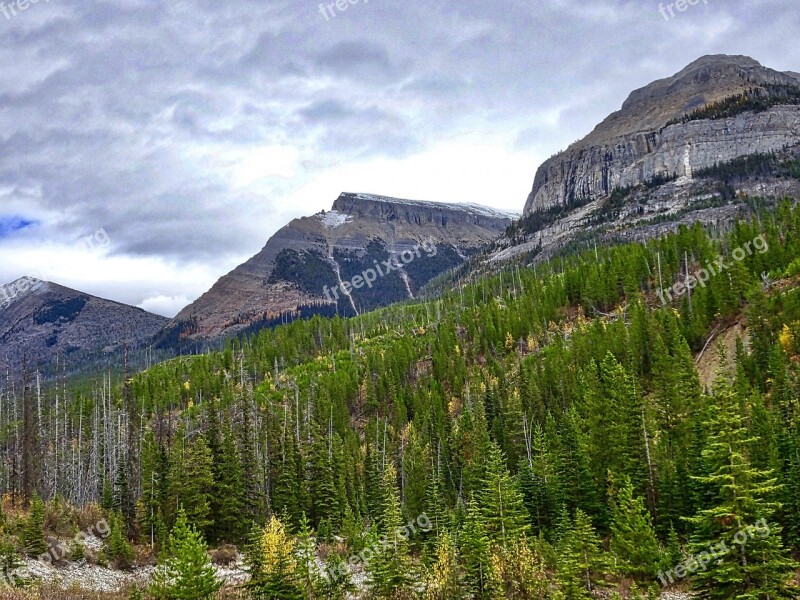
x=119, y=548
x=580, y=562
x=33, y=529
x=273, y=566
x=322, y=483
x=633, y=538
x=308, y=574
x=436, y=511
x=192, y=482
x=480, y=578
x=502, y=504
x=124, y=502
x=444, y=579
x=537, y=482
x=390, y=570
x=252, y=496
x=228, y=502
x=520, y=572
x=740, y=526
x=187, y=573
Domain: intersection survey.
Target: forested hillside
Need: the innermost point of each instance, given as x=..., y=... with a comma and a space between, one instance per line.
x=542, y=433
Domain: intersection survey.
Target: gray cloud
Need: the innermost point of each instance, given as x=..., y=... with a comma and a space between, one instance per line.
x=136, y=115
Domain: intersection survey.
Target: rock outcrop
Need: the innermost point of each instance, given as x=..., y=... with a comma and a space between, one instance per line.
x=308, y=266
x=646, y=140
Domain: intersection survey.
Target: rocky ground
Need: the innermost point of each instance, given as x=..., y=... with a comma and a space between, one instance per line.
x=99, y=578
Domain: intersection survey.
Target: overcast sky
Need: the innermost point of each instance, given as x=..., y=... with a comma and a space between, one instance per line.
x=147, y=147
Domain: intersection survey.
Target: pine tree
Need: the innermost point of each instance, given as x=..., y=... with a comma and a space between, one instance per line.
x=187, y=574
x=739, y=527
x=580, y=562
x=390, y=571
x=273, y=567
x=480, y=578
x=444, y=579
x=33, y=529
x=501, y=501
x=633, y=538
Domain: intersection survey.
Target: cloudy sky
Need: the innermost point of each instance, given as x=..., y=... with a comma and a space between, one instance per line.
x=149, y=146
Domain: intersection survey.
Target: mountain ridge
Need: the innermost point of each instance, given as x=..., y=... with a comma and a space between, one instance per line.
x=46, y=320
x=313, y=254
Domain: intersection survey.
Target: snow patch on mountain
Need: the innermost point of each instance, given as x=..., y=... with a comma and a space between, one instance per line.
x=467, y=207
x=333, y=219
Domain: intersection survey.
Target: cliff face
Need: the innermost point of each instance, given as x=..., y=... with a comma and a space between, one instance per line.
x=40, y=320
x=305, y=265
x=641, y=141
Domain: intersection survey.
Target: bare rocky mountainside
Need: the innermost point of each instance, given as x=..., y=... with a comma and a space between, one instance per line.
x=40, y=320
x=683, y=148
x=343, y=261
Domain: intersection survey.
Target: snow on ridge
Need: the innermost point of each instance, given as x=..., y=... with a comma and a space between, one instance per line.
x=333, y=219
x=21, y=288
x=468, y=207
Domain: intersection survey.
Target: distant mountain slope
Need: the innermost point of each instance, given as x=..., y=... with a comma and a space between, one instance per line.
x=43, y=320
x=307, y=263
x=649, y=137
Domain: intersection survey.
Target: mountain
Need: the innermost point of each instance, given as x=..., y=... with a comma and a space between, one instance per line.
x=660, y=155
x=42, y=320
x=643, y=139
x=343, y=261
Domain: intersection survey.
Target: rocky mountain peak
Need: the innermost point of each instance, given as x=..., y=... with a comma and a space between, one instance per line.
x=416, y=211
x=304, y=267
x=20, y=289
x=707, y=80
x=651, y=136
x=41, y=320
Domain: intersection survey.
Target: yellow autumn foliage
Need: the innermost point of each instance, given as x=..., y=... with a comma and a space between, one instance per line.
x=277, y=548
x=786, y=339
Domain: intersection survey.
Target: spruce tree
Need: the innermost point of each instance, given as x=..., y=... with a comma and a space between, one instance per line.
x=187, y=573
x=580, y=561
x=229, y=517
x=322, y=483
x=501, y=501
x=633, y=538
x=480, y=578
x=119, y=548
x=739, y=528
x=390, y=571
x=192, y=483
x=33, y=529
x=308, y=574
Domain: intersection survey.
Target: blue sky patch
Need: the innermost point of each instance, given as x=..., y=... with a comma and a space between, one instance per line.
x=9, y=225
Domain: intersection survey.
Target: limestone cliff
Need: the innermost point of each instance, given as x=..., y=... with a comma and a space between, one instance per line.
x=650, y=137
